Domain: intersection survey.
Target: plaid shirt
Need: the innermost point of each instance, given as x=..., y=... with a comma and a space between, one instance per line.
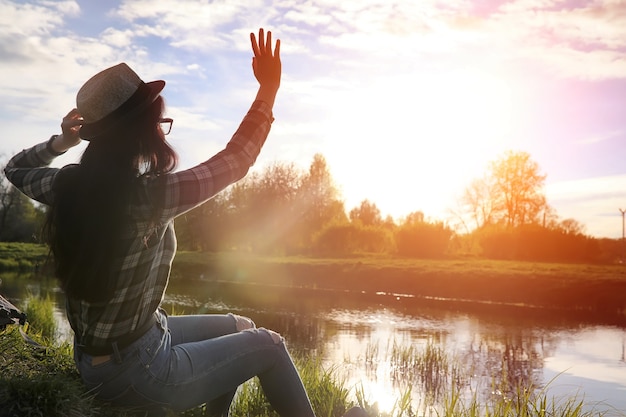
x=149, y=246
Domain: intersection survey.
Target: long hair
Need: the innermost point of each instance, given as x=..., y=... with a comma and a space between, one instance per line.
x=91, y=204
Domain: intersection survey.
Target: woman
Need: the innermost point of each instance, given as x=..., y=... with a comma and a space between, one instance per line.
x=110, y=229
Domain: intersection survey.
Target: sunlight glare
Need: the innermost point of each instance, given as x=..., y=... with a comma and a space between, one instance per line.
x=408, y=143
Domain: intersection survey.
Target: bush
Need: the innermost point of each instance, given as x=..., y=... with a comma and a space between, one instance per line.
x=350, y=238
x=423, y=240
x=537, y=243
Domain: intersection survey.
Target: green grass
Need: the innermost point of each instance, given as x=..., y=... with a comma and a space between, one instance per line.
x=43, y=382
x=573, y=287
x=40, y=381
x=456, y=265
x=23, y=257
x=40, y=316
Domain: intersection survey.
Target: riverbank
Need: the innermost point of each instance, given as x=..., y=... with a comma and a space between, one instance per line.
x=42, y=381
x=580, y=288
x=596, y=289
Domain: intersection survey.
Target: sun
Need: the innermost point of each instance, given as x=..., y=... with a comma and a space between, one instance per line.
x=411, y=143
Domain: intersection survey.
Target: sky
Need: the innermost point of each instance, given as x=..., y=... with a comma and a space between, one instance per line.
x=408, y=101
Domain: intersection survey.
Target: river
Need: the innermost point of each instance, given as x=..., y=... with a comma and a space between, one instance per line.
x=369, y=340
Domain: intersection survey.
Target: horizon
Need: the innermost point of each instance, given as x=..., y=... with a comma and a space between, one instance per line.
x=407, y=102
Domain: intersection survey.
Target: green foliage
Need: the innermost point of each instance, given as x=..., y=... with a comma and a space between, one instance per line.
x=20, y=219
x=327, y=393
x=42, y=380
x=526, y=402
x=367, y=214
x=351, y=238
x=22, y=257
x=536, y=243
x=423, y=240
x=40, y=316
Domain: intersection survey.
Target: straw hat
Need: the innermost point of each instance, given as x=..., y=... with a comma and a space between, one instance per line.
x=111, y=97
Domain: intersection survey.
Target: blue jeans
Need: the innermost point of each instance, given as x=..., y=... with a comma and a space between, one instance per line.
x=186, y=361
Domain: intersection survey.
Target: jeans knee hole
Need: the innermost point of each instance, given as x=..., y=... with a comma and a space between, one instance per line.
x=243, y=323
x=276, y=337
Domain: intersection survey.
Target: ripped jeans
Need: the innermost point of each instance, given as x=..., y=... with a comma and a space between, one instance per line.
x=186, y=361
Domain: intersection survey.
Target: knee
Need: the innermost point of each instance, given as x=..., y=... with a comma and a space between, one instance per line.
x=276, y=337
x=243, y=323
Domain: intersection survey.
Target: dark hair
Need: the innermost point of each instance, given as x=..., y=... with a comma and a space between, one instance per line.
x=91, y=203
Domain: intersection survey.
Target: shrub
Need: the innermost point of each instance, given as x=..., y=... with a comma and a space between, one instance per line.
x=423, y=240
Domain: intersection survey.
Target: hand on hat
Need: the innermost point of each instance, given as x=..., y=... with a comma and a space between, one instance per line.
x=266, y=63
x=70, y=127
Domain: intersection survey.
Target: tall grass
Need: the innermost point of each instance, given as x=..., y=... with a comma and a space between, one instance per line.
x=44, y=382
x=327, y=392
x=40, y=316
x=527, y=402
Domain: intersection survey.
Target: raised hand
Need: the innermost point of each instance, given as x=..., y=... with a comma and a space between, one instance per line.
x=266, y=63
x=70, y=126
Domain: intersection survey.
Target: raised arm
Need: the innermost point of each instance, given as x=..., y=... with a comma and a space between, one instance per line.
x=187, y=189
x=28, y=169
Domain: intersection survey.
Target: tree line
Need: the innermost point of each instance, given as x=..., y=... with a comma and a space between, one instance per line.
x=284, y=210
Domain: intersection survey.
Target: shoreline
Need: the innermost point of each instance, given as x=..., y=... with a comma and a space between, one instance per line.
x=579, y=289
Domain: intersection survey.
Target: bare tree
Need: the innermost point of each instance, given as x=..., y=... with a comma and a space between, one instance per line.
x=478, y=202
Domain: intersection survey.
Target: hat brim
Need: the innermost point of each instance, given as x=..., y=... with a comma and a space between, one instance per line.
x=139, y=101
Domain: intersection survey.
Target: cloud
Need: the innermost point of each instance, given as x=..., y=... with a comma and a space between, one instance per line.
x=593, y=202
x=605, y=136
x=67, y=8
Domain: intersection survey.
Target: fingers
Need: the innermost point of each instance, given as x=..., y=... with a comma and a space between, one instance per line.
x=261, y=41
x=255, y=47
x=72, y=119
x=264, y=44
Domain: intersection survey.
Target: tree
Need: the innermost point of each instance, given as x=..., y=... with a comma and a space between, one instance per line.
x=367, y=214
x=20, y=220
x=517, y=189
x=510, y=194
x=419, y=239
x=478, y=201
x=273, y=203
x=319, y=199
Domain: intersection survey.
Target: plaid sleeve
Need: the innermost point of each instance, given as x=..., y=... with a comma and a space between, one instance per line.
x=187, y=189
x=29, y=172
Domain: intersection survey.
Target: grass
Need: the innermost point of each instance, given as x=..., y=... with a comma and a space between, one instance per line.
x=479, y=282
x=42, y=381
x=23, y=257
x=476, y=282
x=40, y=315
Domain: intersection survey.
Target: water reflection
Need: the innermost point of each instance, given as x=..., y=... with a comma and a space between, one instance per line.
x=386, y=345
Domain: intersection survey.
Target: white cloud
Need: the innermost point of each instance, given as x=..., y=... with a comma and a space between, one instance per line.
x=594, y=202
x=117, y=38
x=67, y=8
x=27, y=19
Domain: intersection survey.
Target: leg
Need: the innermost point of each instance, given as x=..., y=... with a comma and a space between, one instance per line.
x=194, y=373
x=185, y=329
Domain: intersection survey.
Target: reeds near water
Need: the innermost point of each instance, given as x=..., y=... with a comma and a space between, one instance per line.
x=38, y=381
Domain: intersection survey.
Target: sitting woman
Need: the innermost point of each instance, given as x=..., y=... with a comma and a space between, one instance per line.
x=110, y=230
